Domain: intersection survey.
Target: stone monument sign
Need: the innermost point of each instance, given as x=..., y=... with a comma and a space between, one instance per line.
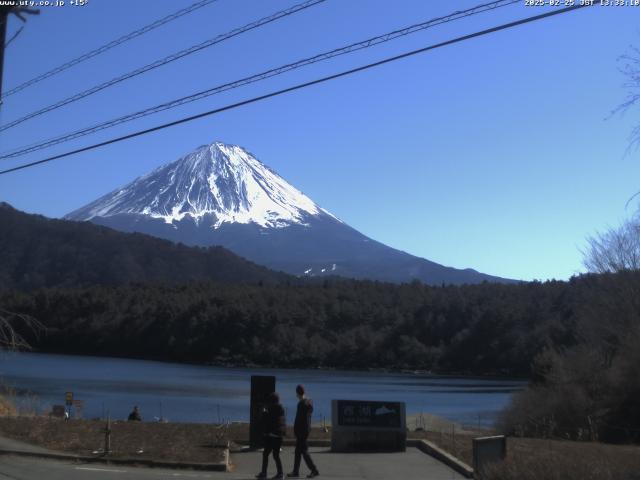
x=361, y=425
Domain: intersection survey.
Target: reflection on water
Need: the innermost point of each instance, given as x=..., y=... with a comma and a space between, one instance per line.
x=192, y=393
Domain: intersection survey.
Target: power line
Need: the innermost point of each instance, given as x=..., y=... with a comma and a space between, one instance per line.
x=109, y=46
x=168, y=59
x=370, y=42
x=301, y=86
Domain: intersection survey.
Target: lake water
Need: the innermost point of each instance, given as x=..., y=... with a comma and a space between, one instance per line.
x=192, y=393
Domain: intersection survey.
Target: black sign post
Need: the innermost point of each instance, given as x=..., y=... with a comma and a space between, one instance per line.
x=261, y=387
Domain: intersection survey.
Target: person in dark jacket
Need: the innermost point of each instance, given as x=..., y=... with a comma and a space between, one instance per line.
x=301, y=429
x=275, y=427
x=134, y=416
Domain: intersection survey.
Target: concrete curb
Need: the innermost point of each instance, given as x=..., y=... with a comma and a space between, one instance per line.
x=439, y=454
x=214, y=467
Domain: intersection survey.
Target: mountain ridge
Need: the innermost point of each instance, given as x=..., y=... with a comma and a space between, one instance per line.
x=36, y=252
x=221, y=194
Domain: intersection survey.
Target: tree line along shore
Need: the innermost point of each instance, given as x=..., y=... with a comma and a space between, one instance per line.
x=576, y=340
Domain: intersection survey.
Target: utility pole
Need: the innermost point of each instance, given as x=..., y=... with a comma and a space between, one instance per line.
x=4, y=19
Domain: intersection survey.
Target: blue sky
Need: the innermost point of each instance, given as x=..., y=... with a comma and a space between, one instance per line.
x=498, y=153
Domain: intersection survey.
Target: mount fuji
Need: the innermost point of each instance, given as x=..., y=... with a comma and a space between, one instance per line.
x=221, y=194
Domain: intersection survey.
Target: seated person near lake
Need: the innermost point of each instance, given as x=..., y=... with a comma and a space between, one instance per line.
x=135, y=415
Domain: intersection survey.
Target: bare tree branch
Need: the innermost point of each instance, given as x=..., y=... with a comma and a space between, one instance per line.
x=615, y=250
x=630, y=68
x=10, y=338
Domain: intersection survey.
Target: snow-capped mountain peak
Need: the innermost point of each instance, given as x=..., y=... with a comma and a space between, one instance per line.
x=221, y=181
x=222, y=195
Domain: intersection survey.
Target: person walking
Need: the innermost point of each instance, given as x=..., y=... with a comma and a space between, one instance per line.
x=301, y=429
x=275, y=427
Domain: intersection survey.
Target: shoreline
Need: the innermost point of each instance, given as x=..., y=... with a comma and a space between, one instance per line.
x=167, y=393
x=235, y=366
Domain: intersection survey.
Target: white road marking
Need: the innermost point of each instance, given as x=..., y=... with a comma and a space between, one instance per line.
x=113, y=470
x=101, y=469
x=192, y=475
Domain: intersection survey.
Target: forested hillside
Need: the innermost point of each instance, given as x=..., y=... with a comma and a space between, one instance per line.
x=487, y=328
x=39, y=252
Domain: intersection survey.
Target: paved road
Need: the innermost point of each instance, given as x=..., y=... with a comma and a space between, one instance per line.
x=406, y=466
x=23, y=468
x=409, y=465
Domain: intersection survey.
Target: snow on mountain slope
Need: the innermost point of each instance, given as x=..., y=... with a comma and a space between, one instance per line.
x=222, y=195
x=224, y=181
